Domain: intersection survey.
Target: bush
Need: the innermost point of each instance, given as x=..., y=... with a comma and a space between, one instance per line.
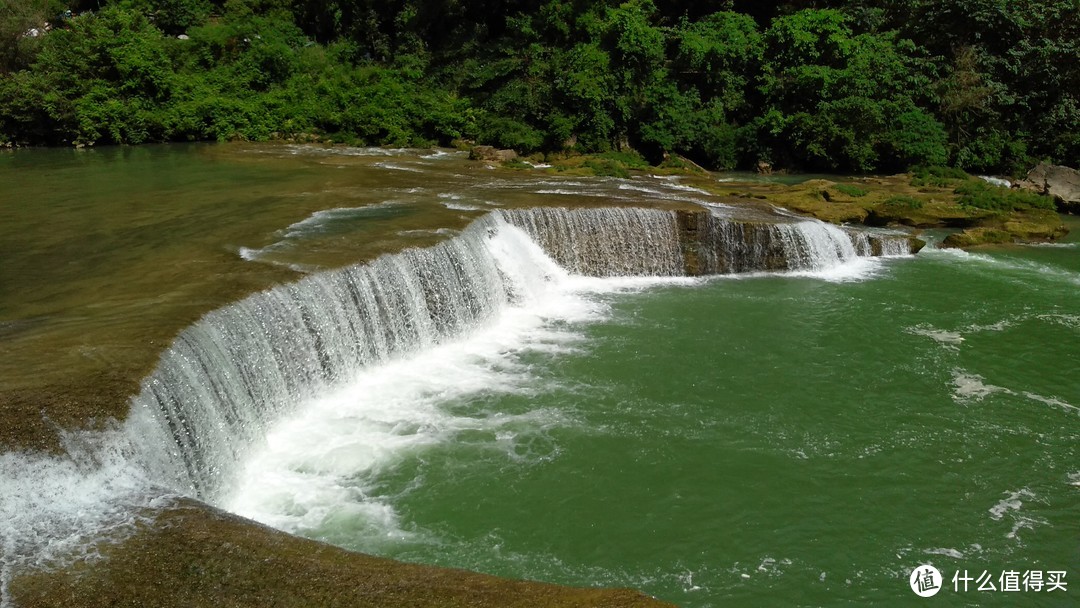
x=606, y=167
x=508, y=133
x=630, y=160
x=917, y=139
x=981, y=195
x=516, y=163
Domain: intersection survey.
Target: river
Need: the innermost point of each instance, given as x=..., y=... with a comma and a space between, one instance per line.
x=803, y=437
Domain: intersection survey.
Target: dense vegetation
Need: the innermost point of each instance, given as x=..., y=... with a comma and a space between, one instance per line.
x=836, y=85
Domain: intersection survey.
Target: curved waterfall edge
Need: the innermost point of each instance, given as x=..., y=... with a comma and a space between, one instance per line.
x=225, y=380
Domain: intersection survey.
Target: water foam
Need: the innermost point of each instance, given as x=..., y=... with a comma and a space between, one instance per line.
x=317, y=466
x=290, y=390
x=57, y=510
x=969, y=387
x=398, y=167
x=1012, y=504
x=319, y=221
x=1018, y=269
x=946, y=551
x=948, y=338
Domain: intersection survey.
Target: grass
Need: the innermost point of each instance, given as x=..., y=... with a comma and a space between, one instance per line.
x=909, y=202
x=852, y=190
x=981, y=195
x=937, y=177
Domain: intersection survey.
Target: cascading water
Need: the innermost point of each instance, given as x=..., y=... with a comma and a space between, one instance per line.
x=723, y=245
x=231, y=375
x=229, y=378
x=605, y=242
x=236, y=371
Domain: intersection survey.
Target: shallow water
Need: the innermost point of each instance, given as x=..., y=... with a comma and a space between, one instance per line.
x=108, y=253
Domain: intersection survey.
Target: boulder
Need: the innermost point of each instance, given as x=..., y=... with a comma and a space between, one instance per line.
x=491, y=153
x=1062, y=183
x=976, y=236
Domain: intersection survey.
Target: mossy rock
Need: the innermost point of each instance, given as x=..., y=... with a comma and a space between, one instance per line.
x=977, y=236
x=836, y=213
x=195, y=556
x=929, y=214
x=1036, y=225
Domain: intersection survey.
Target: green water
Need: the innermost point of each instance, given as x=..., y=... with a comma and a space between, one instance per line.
x=784, y=441
x=756, y=441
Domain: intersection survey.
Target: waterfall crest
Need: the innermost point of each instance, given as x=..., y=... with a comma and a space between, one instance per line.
x=605, y=242
x=226, y=379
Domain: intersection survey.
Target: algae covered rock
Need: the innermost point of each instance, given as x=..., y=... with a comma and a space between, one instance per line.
x=977, y=236
x=195, y=556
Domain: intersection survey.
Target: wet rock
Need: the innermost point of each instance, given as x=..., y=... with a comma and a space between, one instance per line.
x=194, y=555
x=491, y=153
x=977, y=236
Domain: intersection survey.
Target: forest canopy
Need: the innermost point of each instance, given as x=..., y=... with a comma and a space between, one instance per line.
x=856, y=85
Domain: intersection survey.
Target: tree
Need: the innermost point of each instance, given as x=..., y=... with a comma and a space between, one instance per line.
x=17, y=19
x=833, y=98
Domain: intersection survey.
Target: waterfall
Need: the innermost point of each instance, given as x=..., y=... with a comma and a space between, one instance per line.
x=605, y=242
x=722, y=245
x=226, y=379
x=877, y=242
x=229, y=376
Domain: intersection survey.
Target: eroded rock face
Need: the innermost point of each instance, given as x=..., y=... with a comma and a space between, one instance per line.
x=1062, y=183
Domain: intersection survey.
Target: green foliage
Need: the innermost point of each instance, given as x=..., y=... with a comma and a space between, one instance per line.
x=848, y=85
x=16, y=18
x=915, y=138
x=981, y=195
x=606, y=167
x=628, y=159
x=509, y=133
x=719, y=56
x=837, y=100
x=904, y=202
x=852, y=190
x=936, y=176
x=173, y=16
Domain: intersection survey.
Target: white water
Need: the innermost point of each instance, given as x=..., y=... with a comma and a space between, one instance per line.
x=615, y=241
x=56, y=510
x=265, y=405
x=315, y=471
